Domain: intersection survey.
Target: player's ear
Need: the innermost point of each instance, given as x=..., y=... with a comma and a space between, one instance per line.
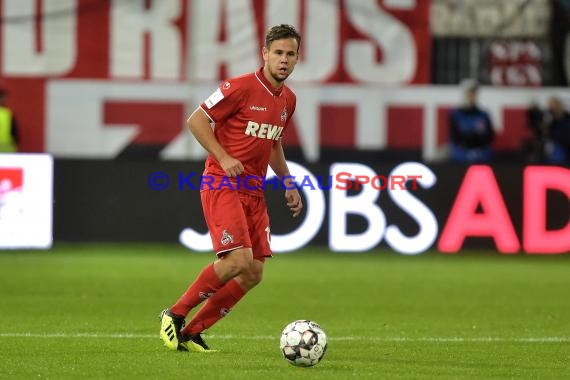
x=265, y=53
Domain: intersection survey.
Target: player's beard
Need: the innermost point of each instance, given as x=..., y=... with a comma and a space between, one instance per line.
x=276, y=76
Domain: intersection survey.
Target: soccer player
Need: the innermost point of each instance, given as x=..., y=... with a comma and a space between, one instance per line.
x=240, y=125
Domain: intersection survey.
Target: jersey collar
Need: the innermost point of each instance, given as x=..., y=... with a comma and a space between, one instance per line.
x=265, y=83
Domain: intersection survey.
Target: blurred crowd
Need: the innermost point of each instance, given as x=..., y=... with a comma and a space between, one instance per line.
x=471, y=131
x=550, y=127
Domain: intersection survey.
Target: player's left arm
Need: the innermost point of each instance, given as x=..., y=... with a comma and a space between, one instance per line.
x=279, y=166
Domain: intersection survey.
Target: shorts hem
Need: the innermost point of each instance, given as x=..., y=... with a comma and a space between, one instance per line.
x=224, y=251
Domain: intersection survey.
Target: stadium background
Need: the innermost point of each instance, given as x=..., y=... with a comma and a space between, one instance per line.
x=375, y=82
x=104, y=87
x=360, y=65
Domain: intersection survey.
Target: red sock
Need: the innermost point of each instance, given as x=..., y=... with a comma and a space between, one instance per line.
x=217, y=307
x=205, y=285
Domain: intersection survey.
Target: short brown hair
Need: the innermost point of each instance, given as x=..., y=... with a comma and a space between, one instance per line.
x=282, y=31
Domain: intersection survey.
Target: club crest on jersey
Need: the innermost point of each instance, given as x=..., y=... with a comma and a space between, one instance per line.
x=284, y=114
x=226, y=85
x=226, y=238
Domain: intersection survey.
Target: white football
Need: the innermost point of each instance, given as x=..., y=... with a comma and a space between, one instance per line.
x=303, y=343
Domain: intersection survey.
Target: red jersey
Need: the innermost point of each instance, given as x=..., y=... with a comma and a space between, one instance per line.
x=249, y=115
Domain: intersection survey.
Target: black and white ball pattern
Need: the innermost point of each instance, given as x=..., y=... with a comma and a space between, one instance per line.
x=303, y=343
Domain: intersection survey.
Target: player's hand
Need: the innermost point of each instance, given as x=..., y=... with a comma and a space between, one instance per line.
x=231, y=166
x=294, y=201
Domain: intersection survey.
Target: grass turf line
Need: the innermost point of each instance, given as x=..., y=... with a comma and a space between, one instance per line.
x=469, y=316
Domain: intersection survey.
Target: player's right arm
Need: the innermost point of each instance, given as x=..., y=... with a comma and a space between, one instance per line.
x=199, y=125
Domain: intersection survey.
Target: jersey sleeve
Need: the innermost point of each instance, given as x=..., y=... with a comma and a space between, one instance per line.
x=225, y=101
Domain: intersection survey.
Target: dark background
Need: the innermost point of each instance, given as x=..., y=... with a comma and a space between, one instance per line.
x=111, y=201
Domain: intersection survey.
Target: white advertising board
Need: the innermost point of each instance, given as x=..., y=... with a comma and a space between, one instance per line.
x=26, y=196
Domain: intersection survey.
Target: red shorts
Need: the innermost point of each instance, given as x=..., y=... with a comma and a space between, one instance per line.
x=237, y=220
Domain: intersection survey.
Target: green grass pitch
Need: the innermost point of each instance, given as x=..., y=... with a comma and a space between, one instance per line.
x=91, y=311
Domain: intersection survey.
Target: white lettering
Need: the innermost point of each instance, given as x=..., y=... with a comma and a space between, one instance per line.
x=314, y=214
x=319, y=56
x=241, y=51
x=274, y=132
x=252, y=128
x=128, y=28
x=57, y=54
x=292, y=241
x=363, y=204
x=399, y=63
x=263, y=131
x=93, y=139
x=371, y=107
x=418, y=211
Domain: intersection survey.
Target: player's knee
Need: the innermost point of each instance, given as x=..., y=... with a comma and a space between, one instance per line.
x=253, y=278
x=249, y=279
x=239, y=261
